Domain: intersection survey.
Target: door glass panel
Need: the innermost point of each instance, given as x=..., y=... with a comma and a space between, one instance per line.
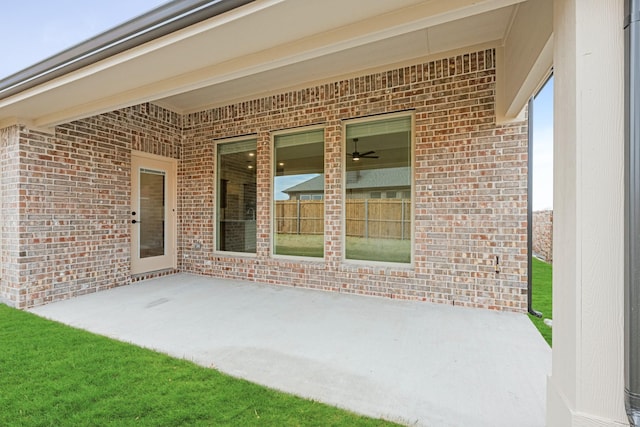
x=152, y=213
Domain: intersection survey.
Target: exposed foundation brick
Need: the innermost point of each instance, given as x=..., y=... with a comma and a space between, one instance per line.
x=66, y=198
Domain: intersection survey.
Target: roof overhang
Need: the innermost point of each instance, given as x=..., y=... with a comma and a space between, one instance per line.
x=268, y=46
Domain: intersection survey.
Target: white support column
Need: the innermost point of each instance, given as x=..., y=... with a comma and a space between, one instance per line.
x=586, y=387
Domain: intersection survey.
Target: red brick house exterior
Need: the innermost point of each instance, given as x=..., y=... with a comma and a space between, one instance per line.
x=463, y=71
x=66, y=212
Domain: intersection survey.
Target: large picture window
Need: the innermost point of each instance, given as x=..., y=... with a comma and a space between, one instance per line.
x=299, y=194
x=378, y=213
x=236, y=201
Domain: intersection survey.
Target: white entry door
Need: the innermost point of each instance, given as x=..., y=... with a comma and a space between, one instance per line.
x=153, y=213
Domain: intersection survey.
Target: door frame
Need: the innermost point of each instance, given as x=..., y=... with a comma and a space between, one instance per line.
x=169, y=260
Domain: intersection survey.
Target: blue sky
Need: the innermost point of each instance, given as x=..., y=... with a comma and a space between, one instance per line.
x=288, y=181
x=34, y=30
x=543, y=148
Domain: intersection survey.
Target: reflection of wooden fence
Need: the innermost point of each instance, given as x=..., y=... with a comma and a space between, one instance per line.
x=378, y=218
x=300, y=216
x=371, y=218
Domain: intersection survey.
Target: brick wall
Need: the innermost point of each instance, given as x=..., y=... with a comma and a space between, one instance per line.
x=67, y=196
x=69, y=231
x=542, y=244
x=9, y=214
x=470, y=186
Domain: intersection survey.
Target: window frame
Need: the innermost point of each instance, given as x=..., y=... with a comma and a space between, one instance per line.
x=412, y=182
x=216, y=207
x=272, y=192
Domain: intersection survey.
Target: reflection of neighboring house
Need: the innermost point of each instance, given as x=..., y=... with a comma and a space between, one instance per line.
x=388, y=183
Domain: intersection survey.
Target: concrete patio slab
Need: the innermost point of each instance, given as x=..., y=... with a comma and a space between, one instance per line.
x=411, y=362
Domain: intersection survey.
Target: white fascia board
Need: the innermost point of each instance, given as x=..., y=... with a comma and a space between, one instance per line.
x=140, y=51
x=397, y=22
x=525, y=60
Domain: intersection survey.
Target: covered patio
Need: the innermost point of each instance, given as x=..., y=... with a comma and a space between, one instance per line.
x=162, y=95
x=411, y=362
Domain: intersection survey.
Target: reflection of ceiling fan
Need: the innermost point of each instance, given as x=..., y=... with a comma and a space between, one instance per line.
x=355, y=156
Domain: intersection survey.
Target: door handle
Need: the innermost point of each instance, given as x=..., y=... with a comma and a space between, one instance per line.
x=133, y=221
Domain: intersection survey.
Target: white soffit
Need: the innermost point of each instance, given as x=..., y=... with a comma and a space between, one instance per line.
x=265, y=45
x=490, y=28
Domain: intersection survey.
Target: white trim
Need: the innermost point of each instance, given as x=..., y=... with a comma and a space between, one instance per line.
x=135, y=153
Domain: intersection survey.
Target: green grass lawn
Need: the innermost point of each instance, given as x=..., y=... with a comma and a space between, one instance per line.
x=311, y=245
x=541, y=296
x=54, y=375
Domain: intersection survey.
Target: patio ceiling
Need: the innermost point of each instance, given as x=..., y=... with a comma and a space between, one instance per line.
x=268, y=46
